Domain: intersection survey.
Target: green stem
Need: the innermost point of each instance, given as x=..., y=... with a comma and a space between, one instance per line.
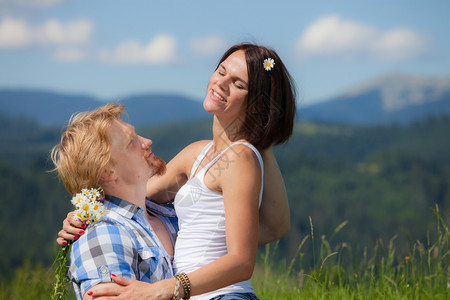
x=62, y=266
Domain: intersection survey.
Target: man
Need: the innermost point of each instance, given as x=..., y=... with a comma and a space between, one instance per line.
x=98, y=149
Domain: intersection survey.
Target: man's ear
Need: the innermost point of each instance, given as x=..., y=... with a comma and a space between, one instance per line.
x=108, y=175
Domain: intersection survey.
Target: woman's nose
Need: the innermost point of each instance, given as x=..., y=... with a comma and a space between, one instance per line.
x=222, y=83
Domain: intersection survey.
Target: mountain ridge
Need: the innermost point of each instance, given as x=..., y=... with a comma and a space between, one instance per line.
x=392, y=98
x=54, y=108
x=399, y=89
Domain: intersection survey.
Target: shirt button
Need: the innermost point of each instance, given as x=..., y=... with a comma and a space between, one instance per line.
x=104, y=270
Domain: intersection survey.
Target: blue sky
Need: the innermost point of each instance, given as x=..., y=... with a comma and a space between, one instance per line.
x=112, y=49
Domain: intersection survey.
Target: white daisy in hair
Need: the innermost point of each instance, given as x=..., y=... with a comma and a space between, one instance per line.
x=269, y=63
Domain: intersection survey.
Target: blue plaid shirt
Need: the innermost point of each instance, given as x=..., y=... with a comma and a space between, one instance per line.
x=123, y=243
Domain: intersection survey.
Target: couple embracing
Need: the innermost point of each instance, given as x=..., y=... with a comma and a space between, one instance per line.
x=228, y=193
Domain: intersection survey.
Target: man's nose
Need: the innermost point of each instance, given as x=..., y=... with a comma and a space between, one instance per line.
x=145, y=142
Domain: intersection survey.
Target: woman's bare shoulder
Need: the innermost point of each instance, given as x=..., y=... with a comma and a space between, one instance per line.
x=243, y=152
x=185, y=157
x=196, y=147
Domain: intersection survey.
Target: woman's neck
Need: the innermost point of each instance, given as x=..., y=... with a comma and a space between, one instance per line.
x=225, y=132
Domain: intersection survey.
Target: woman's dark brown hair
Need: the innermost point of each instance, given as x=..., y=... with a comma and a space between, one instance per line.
x=271, y=100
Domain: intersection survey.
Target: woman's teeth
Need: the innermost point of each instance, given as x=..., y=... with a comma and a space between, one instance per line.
x=218, y=96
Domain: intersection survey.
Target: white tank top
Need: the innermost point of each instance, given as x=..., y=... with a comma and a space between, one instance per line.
x=201, y=218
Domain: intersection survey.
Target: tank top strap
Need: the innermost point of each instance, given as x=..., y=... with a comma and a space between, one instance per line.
x=208, y=165
x=200, y=157
x=258, y=155
x=215, y=159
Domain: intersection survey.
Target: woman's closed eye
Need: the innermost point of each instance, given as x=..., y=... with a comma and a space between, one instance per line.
x=238, y=85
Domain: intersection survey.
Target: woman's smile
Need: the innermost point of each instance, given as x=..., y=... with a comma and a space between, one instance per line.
x=218, y=96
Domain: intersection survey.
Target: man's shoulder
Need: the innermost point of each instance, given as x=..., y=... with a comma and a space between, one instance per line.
x=105, y=230
x=109, y=220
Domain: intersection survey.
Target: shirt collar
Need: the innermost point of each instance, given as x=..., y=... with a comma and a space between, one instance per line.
x=166, y=210
x=122, y=207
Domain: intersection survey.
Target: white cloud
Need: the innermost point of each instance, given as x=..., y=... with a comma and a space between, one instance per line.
x=208, y=45
x=16, y=33
x=400, y=44
x=332, y=36
x=54, y=32
x=158, y=51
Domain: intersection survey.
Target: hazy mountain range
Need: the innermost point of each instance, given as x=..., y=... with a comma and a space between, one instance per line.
x=395, y=98
x=51, y=108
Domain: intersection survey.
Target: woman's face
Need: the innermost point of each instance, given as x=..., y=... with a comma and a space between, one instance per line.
x=228, y=87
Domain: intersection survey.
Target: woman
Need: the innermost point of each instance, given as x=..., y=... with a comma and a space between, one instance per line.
x=253, y=101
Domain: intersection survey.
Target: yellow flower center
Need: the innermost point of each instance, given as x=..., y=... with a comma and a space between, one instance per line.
x=96, y=207
x=85, y=207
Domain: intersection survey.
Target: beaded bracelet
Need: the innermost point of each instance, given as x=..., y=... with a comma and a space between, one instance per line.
x=186, y=284
x=176, y=291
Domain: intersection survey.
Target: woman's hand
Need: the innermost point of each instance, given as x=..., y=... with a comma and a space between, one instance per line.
x=131, y=289
x=72, y=229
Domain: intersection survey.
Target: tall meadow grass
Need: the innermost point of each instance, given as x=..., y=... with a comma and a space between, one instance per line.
x=338, y=271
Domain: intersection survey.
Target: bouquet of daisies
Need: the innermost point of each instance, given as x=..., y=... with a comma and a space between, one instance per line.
x=88, y=208
x=88, y=205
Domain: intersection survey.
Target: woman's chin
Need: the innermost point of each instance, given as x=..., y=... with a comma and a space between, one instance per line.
x=208, y=106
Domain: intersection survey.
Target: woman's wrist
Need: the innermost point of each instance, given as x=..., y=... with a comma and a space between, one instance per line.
x=182, y=287
x=176, y=291
x=167, y=288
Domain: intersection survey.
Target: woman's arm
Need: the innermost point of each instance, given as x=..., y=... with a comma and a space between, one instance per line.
x=274, y=216
x=240, y=184
x=162, y=189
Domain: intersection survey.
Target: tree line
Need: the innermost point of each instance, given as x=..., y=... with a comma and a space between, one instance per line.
x=377, y=182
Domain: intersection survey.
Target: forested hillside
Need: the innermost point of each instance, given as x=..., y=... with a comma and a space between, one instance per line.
x=382, y=180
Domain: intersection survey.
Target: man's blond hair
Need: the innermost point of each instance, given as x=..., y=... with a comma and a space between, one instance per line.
x=84, y=153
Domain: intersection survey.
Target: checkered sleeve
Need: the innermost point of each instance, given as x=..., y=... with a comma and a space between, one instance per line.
x=104, y=249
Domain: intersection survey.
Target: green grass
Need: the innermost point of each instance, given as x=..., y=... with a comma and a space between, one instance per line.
x=30, y=281
x=338, y=272
x=341, y=273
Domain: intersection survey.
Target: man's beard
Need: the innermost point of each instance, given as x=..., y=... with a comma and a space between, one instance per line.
x=158, y=165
